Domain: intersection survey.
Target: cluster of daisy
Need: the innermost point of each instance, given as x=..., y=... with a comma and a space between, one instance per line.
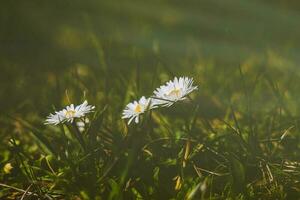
x=70, y=113
x=166, y=95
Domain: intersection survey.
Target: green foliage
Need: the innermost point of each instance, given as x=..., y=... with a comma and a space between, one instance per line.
x=174, y=153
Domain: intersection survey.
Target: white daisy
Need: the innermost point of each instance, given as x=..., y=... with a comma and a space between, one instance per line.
x=173, y=91
x=69, y=113
x=134, y=109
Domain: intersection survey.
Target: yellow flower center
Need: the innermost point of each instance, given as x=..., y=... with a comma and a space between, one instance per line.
x=70, y=113
x=175, y=92
x=138, y=108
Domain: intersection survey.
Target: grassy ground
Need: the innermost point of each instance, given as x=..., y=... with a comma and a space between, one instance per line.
x=236, y=138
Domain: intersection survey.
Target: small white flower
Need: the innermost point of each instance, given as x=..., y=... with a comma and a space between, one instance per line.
x=69, y=113
x=134, y=109
x=82, y=124
x=173, y=91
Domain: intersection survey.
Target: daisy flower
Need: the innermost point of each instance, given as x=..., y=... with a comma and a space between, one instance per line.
x=69, y=113
x=173, y=91
x=134, y=109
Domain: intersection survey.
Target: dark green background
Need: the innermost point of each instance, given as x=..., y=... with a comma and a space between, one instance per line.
x=47, y=38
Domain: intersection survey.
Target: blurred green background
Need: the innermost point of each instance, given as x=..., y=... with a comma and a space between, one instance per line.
x=43, y=41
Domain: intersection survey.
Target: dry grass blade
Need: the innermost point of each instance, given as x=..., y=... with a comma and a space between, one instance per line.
x=27, y=190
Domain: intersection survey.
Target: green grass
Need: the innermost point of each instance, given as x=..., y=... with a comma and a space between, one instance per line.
x=236, y=138
x=209, y=147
